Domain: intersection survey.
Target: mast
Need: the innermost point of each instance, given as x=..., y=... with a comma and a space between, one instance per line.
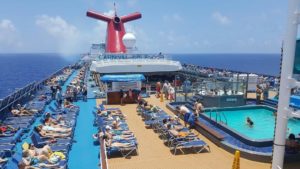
x=286, y=84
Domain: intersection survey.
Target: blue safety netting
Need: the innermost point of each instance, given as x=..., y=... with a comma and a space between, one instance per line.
x=122, y=78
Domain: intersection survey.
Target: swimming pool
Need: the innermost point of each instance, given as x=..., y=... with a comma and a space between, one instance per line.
x=262, y=116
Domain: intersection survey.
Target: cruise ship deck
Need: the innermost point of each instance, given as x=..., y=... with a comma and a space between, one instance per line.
x=153, y=154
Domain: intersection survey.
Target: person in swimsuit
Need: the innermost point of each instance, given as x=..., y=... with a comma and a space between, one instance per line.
x=185, y=112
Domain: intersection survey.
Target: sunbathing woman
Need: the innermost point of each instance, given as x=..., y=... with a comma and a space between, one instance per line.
x=42, y=97
x=35, y=162
x=118, y=132
x=105, y=113
x=68, y=105
x=3, y=160
x=173, y=124
x=111, y=144
x=116, y=125
x=5, y=128
x=57, y=123
x=21, y=112
x=56, y=129
x=181, y=133
x=51, y=134
x=34, y=151
x=115, y=138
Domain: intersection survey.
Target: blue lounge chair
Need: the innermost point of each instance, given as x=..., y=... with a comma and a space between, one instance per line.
x=124, y=151
x=54, y=147
x=13, y=139
x=193, y=144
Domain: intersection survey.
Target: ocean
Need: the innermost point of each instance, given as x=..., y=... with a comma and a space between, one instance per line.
x=268, y=64
x=17, y=70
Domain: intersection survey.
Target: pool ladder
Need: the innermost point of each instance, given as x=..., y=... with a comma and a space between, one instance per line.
x=218, y=116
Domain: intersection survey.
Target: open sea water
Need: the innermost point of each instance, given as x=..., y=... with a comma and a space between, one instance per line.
x=17, y=70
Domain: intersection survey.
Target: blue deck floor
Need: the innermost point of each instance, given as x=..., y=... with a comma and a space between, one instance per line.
x=84, y=154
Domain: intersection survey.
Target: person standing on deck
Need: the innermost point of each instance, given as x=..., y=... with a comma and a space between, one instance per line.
x=158, y=88
x=171, y=93
x=130, y=94
x=258, y=94
x=266, y=91
x=123, y=95
x=198, y=107
x=58, y=98
x=165, y=89
x=192, y=119
x=185, y=112
x=53, y=90
x=75, y=92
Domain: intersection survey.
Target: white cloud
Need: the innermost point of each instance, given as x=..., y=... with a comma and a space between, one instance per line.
x=8, y=35
x=57, y=26
x=6, y=24
x=222, y=19
x=67, y=35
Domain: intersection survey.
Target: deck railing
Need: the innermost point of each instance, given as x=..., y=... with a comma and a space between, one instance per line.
x=103, y=155
x=112, y=56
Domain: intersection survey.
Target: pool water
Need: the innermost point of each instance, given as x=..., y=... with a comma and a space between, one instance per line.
x=263, y=118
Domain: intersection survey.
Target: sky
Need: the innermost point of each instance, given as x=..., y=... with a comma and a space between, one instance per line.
x=193, y=26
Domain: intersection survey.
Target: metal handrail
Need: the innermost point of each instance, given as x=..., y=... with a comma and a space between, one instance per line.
x=218, y=115
x=224, y=117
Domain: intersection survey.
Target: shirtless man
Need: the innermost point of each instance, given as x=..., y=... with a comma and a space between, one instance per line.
x=185, y=112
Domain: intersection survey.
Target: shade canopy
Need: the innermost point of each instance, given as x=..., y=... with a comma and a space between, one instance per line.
x=122, y=78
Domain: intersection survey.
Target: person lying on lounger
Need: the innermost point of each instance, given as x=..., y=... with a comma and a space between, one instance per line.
x=52, y=134
x=7, y=131
x=3, y=160
x=105, y=113
x=7, y=128
x=173, y=124
x=154, y=109
x=49, y=120
x=55, y=129
x=42, y=97
x=179, y=133
x=114, y=138
x=68, y=105
x=146, y=106
x=34, y=151
x=109, y=143
x=36, y=162
x=21, y=112
x=116, y=125
x=58, y=122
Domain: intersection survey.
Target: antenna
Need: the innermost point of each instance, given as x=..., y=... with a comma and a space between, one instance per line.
x=115, y=9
